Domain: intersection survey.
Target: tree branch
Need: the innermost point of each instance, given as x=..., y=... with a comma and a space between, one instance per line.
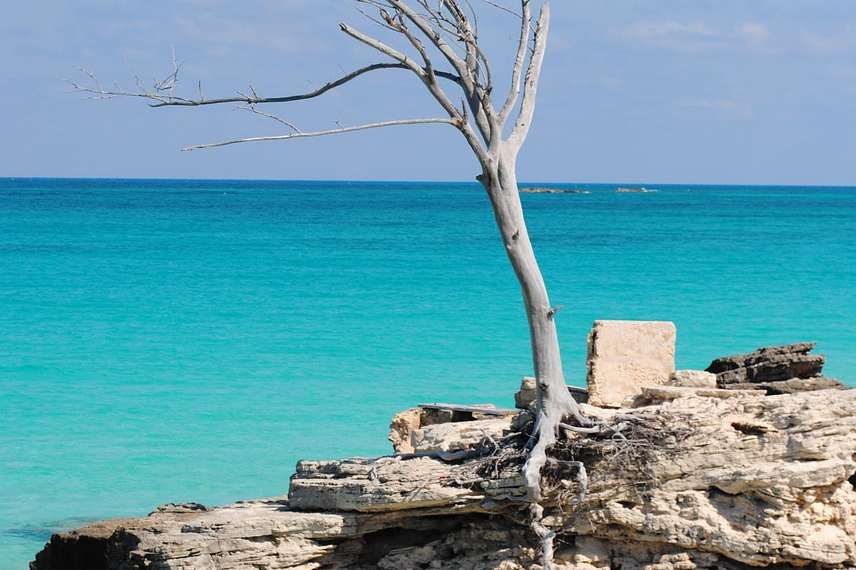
x=171, y=100
x=432, y=86
x=303, y=135
x=478, y=99
x=522, y=46
x=533, y=75
x=383, y=48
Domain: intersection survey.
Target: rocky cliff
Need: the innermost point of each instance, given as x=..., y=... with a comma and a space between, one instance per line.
x=700, y=478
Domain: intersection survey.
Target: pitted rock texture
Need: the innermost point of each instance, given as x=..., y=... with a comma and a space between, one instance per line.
x=769, y=364
x=724, y=483
x=623, y=356
x=692, y=379
x=757, y=480
x=528, y=393
x=792, y=386
x=415, y=430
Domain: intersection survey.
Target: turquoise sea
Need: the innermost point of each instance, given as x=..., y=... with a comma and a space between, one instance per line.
x=177, y=340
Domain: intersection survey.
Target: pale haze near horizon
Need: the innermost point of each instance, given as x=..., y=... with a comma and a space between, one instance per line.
x=720, y=92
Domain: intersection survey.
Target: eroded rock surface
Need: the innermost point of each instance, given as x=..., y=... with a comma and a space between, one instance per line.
x=698, y=482
x=792, y=386
x=769, y=364
x=623, y=356
x=525, y=397
x=755, y=480
x=414, y=431
x=692, y=379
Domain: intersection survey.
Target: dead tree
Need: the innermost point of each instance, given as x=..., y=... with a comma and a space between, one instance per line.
x=494, y=127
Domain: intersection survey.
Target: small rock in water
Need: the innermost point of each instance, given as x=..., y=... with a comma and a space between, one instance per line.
x=555, y=191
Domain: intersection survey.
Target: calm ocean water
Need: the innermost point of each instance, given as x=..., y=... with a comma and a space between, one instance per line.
x=190, y=340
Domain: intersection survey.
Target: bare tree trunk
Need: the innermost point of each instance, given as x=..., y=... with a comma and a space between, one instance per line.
x=554, y=400
x=427, y=30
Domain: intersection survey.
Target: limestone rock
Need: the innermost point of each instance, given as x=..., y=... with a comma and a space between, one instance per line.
x=755, y=481
x=692, y=379
x=374, y=485
x=407, y=424
x=656, y=394
x=179, y=508
x=527, y=393
x=623, y=356
x=792, y=386
x=458, y=435
x=769, y=364
x=525, y=397
x=697, y=483
x=402, y=426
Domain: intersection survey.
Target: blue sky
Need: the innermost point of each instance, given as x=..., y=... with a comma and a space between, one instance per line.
x=708, y=91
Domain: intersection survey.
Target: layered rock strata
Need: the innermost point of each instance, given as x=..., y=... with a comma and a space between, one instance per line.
x=694, y=482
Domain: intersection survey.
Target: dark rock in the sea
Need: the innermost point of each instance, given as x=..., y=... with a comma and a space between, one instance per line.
x=792, y=386
x=769, y=364
x=554, y=191
x=99, y=546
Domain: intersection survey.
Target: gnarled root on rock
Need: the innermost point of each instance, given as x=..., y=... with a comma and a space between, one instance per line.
x=549, y=422
x=553, y=408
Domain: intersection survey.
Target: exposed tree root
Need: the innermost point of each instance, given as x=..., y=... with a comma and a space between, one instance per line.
x=552, y=410
x=626, y=439
x=555, y=450
x=546, y=535
x=553, y=407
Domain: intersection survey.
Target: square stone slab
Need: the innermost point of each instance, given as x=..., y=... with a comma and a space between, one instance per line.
x=623, y=356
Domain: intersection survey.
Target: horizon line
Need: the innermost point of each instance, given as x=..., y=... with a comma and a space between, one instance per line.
x=467, y=182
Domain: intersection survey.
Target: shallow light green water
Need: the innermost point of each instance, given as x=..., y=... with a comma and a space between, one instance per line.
x=190, y=340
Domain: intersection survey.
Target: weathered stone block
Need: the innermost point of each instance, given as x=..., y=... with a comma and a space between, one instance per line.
x=623, y=356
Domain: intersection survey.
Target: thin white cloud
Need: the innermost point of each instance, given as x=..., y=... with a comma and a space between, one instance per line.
x=718, y=104
x=830, y=43
x=671, y=34
x=656, y=31
x=724, y=108
x=753, y=33
x=224, y=34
